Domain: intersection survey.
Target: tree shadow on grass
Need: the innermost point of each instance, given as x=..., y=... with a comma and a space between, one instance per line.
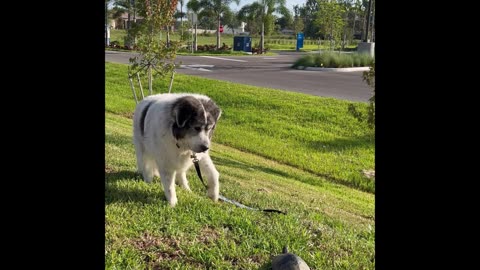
x=248, y=167
x=340, y=144
x=312, y=179
x=122, y=175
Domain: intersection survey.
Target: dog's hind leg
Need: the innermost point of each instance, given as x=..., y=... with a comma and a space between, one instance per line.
x=212, y=175
x=149, y=168
x=168, y=183
x=139, y=154
x=181, y=180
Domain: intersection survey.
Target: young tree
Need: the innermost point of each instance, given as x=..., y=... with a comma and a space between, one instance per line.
x=307, y=12
x=329, y=18
x=298, y=25
x=367, y=117
x=286, y=21
x=156, y=58
x=181, y=15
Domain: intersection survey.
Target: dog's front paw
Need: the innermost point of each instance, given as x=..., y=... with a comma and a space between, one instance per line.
x=213, y=194
x=172, y=202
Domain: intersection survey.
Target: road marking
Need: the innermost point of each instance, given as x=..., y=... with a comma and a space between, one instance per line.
x=270, y=58
x=198, y=66
x=220, y=58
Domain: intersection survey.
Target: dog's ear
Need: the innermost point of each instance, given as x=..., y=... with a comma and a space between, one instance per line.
x=212, y=109
x=183, y=110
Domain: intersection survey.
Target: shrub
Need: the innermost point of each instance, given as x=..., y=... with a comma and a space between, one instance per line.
x=345, y=61
x=334, y=60
x=367, y=117
x=307, y=61
x=356, y=60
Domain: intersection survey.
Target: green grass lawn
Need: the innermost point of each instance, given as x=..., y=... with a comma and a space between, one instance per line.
x=118, y=35
x=227, y=38
x=274, y=149
x=312, y=133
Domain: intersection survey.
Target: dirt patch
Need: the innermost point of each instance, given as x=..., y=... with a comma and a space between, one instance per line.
x=158, y=248
x=208, y=235
x=147, y=242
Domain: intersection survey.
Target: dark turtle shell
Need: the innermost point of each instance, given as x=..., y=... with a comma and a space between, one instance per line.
x=288, y=261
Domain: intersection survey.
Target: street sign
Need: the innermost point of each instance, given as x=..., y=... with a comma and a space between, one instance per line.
x=299, y=41
x=221, y=29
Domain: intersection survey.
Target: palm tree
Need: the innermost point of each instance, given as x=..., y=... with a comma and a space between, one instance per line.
x=230, y=18
x=264, y=9
x=216, y=8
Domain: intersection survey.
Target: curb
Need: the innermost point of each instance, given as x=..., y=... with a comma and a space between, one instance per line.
x=334, y=69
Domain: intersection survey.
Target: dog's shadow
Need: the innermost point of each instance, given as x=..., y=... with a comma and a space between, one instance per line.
x=117, y=192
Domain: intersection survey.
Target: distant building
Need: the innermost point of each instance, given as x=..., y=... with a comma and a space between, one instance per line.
x=287, y=32
x=237, y=30
x=122, y=21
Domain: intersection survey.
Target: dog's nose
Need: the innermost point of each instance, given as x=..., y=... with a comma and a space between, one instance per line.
x=204, y=148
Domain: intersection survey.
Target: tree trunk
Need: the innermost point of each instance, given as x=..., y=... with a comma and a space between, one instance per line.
x=181, y=21
x=168, y=36
x=150, y=91
x=218, y=33
x=368, y=20
x=262, y=37
x=373, y=22
x=195, y=40
x=354, y=20
x=134, y=12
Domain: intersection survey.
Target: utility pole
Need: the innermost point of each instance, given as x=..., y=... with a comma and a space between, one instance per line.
x=368, y=20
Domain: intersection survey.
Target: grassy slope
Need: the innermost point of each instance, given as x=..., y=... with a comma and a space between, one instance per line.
x=312, y=133
x=328, y=225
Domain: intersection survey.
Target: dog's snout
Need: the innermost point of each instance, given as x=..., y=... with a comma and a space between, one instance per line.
x=204, y=148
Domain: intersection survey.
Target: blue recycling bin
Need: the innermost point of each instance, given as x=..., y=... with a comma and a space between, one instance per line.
x=242, y=43
x=299, y=41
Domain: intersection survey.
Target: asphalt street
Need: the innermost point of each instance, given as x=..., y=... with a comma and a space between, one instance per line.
x=268, y=71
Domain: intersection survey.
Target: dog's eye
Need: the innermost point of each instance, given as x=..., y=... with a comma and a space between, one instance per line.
x=198, y=128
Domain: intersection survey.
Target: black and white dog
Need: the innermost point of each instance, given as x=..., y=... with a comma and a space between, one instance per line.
x=167, y=130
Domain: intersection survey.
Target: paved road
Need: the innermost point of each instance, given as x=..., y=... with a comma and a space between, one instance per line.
x=269, y=71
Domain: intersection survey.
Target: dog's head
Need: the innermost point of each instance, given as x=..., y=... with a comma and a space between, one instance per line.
x=194, y=122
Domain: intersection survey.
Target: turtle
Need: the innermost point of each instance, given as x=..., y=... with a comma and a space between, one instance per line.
x=288, y=261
